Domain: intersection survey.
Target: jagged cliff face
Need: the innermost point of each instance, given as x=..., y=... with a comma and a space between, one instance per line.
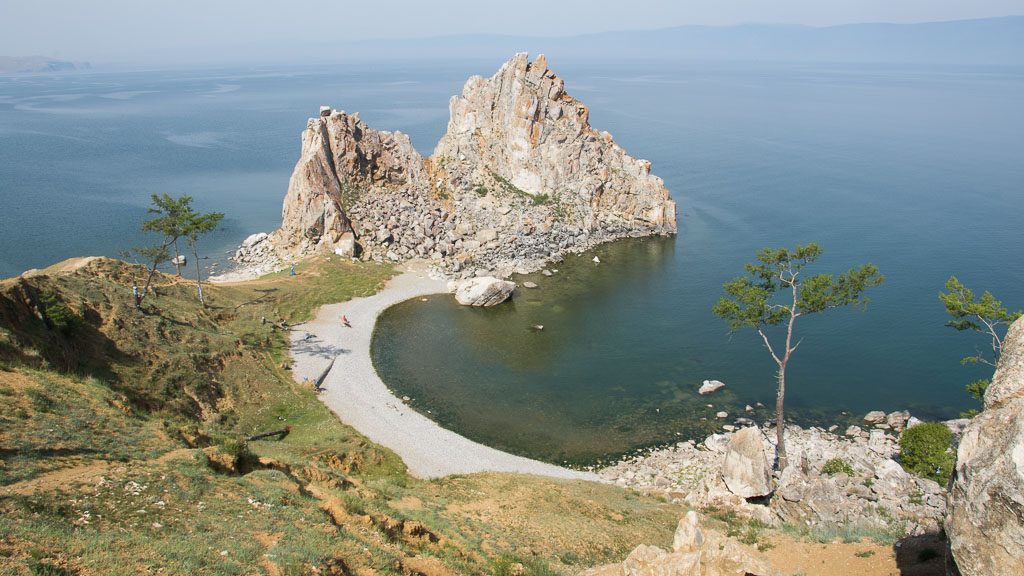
x=341, y=157
x=521, y=126
x=985, y=523
x=519, y=179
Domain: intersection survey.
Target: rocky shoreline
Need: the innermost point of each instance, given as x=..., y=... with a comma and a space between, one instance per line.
x=872, y=491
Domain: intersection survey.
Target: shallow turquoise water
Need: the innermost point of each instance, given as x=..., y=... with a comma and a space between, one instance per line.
x=920, y=171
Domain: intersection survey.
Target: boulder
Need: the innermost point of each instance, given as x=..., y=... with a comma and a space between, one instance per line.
x=694, y=552
x=746, y=470
x=483, y=291
x=985, y=519
x=874, y=417
x=709, y=386
x=898, y=420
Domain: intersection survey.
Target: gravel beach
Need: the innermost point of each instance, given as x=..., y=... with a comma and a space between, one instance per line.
x=353, y=390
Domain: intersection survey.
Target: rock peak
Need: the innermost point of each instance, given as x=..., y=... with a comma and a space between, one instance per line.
x=519, y=178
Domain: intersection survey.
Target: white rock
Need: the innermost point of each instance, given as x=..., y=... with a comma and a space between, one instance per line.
x=709, y=386
x=597, y=260
x=483, y=291
x=745, y=470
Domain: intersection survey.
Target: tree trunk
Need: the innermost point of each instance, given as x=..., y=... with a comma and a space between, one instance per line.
x=780, y=420
x=146, y=288
x=199, y=278
x=177, y=258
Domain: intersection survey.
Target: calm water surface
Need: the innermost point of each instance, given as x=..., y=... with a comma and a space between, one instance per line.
x=920, y=171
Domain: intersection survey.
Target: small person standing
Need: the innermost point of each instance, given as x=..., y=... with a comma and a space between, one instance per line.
x=344, y=320
x=293, y=270
x=135, y=296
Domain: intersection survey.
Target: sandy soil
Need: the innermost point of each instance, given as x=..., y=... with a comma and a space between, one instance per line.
x=354, y=392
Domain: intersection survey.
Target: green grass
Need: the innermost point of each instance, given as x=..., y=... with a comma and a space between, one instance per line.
x=133, y=386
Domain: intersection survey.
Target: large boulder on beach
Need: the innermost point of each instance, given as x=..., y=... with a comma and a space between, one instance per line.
x=482, y=291
x=985, y=520
x=746, y=470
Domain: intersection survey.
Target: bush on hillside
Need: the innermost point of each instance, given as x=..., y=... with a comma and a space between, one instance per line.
x=837, y=466
x=61, y=316
x=926, y=450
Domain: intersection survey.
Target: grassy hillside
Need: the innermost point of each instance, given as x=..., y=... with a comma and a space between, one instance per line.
x=121, y=448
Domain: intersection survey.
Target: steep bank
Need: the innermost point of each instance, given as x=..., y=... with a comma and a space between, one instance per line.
x=520, y=178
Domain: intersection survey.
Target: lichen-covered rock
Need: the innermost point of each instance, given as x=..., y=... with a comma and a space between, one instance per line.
x=483, y=291
x=520, y=179
x=746, y=470
x=985, y=522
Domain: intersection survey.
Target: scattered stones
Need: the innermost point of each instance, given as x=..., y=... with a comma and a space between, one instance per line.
x=709, y=386
x=803, y=494
x=694, y=551
x=529, y=284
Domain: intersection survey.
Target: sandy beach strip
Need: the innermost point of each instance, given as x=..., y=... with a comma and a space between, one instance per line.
x=353, y=390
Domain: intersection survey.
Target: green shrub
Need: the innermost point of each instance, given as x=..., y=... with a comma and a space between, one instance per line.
x=62, y=318
x=837, y=466
x=926, y=450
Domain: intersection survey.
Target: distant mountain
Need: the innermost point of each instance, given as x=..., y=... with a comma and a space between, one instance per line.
x=36, y=64
x=995, y=41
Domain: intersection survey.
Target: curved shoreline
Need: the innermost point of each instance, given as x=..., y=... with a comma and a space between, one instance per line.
x=356, y=394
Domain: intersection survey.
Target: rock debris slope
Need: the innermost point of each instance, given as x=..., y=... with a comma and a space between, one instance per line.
x=519, y=179
x=985, y=522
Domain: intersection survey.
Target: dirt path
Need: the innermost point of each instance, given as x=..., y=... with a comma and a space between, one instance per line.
x=83, y=474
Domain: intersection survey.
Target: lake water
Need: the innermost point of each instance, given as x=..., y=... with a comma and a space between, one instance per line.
x=920, y=171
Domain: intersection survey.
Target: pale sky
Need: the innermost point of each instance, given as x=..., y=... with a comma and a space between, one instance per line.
x=119, y=29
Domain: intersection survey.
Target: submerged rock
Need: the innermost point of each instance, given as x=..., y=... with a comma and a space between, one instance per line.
x=710, y=386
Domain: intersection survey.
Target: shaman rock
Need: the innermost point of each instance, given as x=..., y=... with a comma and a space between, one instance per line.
x=519, y=179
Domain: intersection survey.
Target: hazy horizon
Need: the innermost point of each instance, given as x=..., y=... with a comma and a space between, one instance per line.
x=193, y=31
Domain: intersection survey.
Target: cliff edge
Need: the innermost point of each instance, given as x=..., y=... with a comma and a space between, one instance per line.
x=519, y=179
x=985, y=522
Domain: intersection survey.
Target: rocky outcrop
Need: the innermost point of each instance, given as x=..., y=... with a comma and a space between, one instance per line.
x=746, y=471
x=519, y=179
x=875, y=492
x=694, y=552
x=483, y=291
x=342, y=158
x=985, y=523
x=521, y=131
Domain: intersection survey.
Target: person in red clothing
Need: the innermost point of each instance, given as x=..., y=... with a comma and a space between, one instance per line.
x=344, y=320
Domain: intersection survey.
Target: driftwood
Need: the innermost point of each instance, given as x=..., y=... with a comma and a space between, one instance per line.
x=282, y=433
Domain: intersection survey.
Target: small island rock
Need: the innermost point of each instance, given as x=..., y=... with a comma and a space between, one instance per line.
x=710, y=386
